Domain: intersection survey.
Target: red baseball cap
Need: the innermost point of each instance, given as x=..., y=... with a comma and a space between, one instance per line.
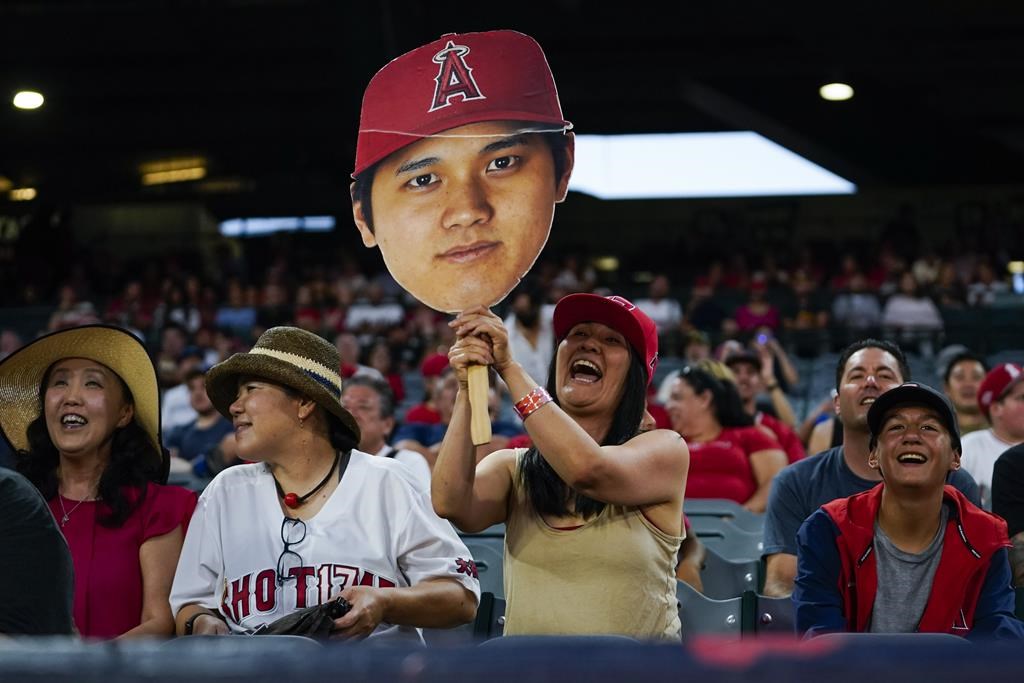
x=433, y=365
x=617, y=313
x=997, y=382
x=456, y=80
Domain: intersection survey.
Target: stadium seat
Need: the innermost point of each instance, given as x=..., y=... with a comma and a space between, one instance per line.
x=723, y=579
x=773, y=615
x=1006, y=356
x=703, y=616
x=721, y=508
x=490, y=617
x=666, y=366
x=727, y=539
x=488, y=552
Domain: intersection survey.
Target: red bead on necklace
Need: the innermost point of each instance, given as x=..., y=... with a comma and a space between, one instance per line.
x=294, y=500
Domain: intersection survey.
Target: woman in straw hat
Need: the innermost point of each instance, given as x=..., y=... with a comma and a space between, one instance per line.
x=593, y=511
x=81, y=408
x=312, y=518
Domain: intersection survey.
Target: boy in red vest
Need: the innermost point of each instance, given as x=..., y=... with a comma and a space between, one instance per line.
x=912, y=554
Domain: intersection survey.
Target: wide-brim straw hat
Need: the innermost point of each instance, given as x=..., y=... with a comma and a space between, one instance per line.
x=21, y=375
x=289, y=356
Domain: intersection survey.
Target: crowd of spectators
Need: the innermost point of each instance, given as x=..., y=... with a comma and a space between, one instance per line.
x=817, y=300
x=734, y=332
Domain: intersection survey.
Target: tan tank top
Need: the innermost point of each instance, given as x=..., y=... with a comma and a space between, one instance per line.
x=615, y=574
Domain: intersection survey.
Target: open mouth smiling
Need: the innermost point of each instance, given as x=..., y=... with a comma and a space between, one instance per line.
x=585, y=372
x=73, y=421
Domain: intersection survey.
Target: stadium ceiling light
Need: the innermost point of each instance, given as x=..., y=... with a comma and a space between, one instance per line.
x=179, y=175
x=252, y=227
x=691, y=165
x=836, y=92
x=176, y=170
x=28, y=99
x=23, y=194
x=608, y=264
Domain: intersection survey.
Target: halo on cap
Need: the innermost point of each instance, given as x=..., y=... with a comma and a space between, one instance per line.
x=289, y=356
x=21, y=375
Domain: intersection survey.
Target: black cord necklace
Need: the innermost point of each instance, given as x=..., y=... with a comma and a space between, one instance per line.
x=294, y=500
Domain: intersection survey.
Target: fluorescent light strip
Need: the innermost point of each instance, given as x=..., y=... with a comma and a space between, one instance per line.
x=23, y=194
x=678, y=165
x=176, y=176
x=248, y=227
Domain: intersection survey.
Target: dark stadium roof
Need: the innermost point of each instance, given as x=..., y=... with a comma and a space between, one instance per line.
x=269, y=90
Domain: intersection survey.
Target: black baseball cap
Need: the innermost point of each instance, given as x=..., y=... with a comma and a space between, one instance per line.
x=744, y=356
x=915, y=394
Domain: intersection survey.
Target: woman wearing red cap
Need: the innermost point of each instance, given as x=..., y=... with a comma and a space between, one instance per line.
x=593, y=511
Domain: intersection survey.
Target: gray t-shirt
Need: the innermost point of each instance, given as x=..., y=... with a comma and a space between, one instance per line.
x=803, y=487
x=904, y=581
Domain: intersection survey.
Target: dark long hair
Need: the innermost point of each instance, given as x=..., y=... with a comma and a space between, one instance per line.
x=547, y=492
x=725, y=399
x=134, y=461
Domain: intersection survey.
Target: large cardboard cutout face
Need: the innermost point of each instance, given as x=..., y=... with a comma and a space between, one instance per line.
x=458, y=181
x=460, y=219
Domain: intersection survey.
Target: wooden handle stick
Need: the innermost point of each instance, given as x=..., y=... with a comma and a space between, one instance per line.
x=480, y=418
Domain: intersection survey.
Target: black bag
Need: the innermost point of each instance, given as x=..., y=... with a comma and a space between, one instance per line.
x=312, y=622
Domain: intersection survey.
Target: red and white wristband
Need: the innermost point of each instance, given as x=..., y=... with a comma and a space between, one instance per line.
x=528, y=405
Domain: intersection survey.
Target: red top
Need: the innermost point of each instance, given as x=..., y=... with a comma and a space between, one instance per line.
x=660, y=415
x=721, y=468
x=423, y=414
x=788, y=439
x=746, y=319
x=397, y=386
x=108, y=578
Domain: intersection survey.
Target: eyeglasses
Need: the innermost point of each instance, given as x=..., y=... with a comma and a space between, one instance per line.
x=293, y=532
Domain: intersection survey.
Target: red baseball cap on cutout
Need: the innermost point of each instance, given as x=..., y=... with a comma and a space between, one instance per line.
x=617, y=313
x=456, y=80
x=996, y=383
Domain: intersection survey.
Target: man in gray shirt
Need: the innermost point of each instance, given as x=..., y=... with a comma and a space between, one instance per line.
x=912, y=554
x=866, y=370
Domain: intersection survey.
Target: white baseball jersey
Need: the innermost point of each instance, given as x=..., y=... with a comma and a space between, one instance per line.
x=416, y=463
x=981, y=449
x=377, y=529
